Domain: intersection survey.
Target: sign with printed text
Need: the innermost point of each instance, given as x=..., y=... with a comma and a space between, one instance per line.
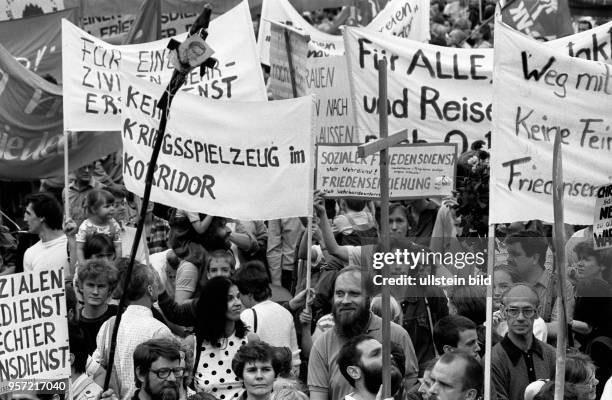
x=242, y=160
x=33, y=326
x=602, y=225
x=92, y=81
x=326, y=77
x=416, y=170
x=441, y=94
x=533, y=82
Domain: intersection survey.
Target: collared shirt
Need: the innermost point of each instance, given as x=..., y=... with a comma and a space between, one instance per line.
x=137, y=326
x=324, y=375
x=157, y=239
x=512, y=369
x=547, y=293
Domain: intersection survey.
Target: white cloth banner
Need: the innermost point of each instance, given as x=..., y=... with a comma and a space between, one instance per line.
x=405, y=18
x=538, y=92
x=440, y=94
x=91, y=67
x=594, y=44
x=243, y=160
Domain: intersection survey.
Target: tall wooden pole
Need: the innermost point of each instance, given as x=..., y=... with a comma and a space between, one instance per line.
x=559, y=240
x=384, y=224
x=489, y=325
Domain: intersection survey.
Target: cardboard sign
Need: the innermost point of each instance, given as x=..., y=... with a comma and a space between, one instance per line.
x=602, y=225
x=31, y=127
x=417, y=170
x=92, y=81
x=243, y=160
x=280, y=74
x=33, y=326
x=441, y=94
x=534, y=88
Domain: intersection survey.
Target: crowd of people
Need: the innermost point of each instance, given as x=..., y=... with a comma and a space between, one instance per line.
x=218, y=308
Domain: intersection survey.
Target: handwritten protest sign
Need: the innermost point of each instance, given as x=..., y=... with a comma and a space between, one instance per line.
x=415, y=170
x=438, y=93
x=33, y=326
x=36, y=42
x=31, y=127
x=244, y=160
x=405, y=18
x=534, y=87
x=408, y=19
x=326, y=77
x=602, y=226
x=594, y=44
x=92, y=81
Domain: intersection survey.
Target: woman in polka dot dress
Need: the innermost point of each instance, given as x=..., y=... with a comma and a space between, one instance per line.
x=219, y=333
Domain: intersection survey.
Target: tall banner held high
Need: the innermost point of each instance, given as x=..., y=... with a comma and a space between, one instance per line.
x=92, y=80
x=243, y=160
x=533, y=82
x=440, y=94
x=31, y=127
x=540, y=19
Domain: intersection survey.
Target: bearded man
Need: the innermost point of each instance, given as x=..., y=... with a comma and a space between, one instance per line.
x=352, y=317
x=158, y=370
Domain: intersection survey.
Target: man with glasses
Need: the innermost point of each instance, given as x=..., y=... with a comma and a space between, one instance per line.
x=520, y=358
x=158, y=370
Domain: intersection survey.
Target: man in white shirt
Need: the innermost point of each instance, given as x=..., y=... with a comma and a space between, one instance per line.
x=43, y=215
x=137, y=326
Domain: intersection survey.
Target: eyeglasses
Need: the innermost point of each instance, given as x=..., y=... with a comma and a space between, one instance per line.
x=164, y=373
x=527, y=312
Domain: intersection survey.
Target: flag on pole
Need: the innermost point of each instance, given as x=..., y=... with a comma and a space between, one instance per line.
x=147, y=26
x=541, y=19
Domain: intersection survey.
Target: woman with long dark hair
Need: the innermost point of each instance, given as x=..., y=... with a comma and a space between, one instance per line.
x=219, y=334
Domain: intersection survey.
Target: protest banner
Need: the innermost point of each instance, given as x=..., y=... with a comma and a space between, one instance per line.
x=415, y=171
x=400, y=17
x=602, y=225
x=31, y=132
x=326, y=77
x=542, y=20
x=92, y=80
x=114, y=28
x=33, y=328
x=440, y=94
x=404, y=18
x=36, y=42
x=594, y=44
x=243, y=160
x=532, y=83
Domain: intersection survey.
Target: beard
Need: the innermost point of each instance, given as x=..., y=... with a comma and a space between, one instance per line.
x=351, y=323
x=372, y=379
x=170, y=391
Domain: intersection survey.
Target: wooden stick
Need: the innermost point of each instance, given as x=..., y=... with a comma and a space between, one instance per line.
x=308, y=260
x=559, y=240
x=66, y=178
x=291, y=69
x=384, y=223
x=489, y=324
x=367, y=149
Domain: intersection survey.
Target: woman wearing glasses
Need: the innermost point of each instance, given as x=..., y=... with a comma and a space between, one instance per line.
x=219, y=334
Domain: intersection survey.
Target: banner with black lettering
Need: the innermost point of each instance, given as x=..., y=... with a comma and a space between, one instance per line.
x=92, y=80
x=602, y=224
x=539, y=92
x=36, y=42
x=243, y=160
x=404, y=18
x=31, y=127
x=34, y=330
x=594, y=44
x=441, y=94
x=415, y=171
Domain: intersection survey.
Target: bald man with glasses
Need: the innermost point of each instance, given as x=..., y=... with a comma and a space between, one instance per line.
x=520, y=358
